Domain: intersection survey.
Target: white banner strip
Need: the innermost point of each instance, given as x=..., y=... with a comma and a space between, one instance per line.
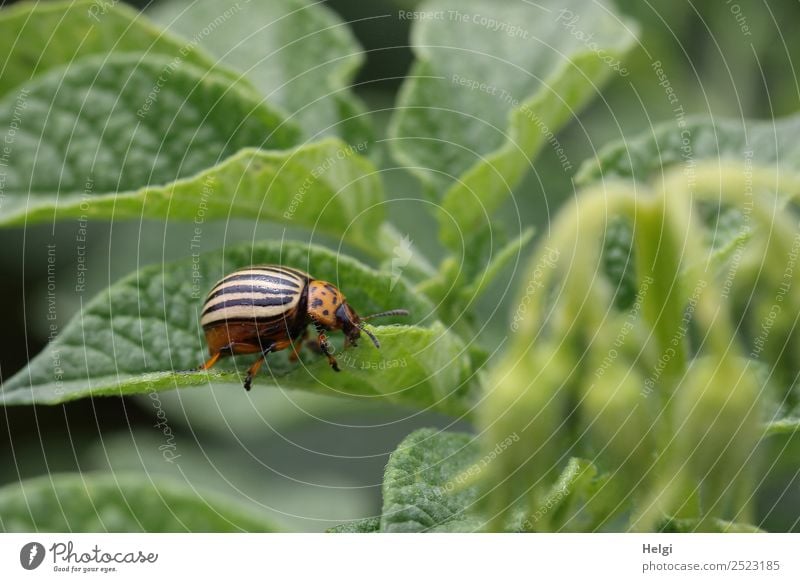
x=400, y=557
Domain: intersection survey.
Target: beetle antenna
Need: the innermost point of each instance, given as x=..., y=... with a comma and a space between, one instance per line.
x=386, y=314
x=370, y=334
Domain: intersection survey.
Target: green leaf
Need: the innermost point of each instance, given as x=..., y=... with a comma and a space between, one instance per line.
x=619, y=262
x=344, y=199
x=478, y=271
x=36, y=37
x=430, y=485
x=489, y=273
x=706, y=526
x=102, y=502
x=425, y=484
x=298, y=53
x=226, y=465
x=485, y=95
x=186, y=156
x=143, y=335
x=119, y=124
x=694, y=139
x=369, y=525
x=788, y=425
x=577, y=501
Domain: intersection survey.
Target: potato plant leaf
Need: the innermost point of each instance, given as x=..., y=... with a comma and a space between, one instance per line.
x=424, y=486
x=36, y=37
x=142, y=335
x=196, y=148
x=771, y=144
x=299, y=54
x=103, y=502
x=369, y=525
x=115, y=124
x=487, y=93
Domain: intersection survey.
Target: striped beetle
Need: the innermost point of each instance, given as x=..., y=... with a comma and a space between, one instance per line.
x=267, y=308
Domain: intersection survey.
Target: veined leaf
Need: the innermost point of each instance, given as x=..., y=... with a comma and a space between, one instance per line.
x=770, y=144
x=318, y=186
x=431, y=485
x=102, y=502
x=122, y=123
x=424, y=486
x=113, y=139
x=298, y=53
x=143, y=335
x=487, y=93
x=38, y=36
x=369, y=525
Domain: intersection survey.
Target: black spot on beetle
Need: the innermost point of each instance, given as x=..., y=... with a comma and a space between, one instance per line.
x=325, y=312
x=316, y=302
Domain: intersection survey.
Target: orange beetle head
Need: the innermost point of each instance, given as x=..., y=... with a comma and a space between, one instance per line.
x=329, y=308
x=323, y=301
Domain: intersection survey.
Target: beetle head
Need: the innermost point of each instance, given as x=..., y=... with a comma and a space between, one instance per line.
x=352, y=324
x=328, y=307
x=324, y=300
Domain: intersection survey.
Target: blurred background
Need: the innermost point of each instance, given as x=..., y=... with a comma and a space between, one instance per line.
x=315, y=461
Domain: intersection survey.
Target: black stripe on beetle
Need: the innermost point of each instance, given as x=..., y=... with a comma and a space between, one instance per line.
x=254, y=288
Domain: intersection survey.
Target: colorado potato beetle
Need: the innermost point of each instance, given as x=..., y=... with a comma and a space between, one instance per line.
x=268, y=308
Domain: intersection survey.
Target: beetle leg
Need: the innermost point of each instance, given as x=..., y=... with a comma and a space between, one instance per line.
x=322, y=342
x=210, y=362
x=313, y=345
x=252, y=371
x=224, y=351
x=255, y=367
